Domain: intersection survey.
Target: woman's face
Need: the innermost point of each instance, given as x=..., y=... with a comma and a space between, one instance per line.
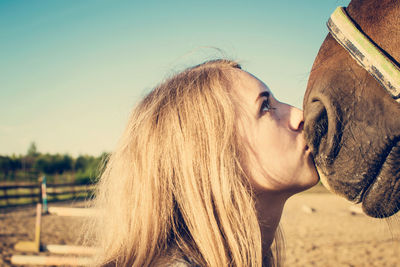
x=278, y=157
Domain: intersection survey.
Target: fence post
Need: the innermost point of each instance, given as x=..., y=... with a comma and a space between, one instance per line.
x=40, y=190
x=44, y=195
x=33, y=192
x=6, y=196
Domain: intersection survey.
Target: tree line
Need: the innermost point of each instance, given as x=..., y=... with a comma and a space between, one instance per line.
x=56, y=167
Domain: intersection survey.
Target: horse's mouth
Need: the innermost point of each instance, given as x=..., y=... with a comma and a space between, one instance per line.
x=381, y=198
x=361, y=164
x=377, y=188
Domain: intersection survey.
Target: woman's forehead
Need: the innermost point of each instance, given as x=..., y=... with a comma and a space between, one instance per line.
x=247, y=83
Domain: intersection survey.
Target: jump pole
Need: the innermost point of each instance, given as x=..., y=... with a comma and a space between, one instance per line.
x=79, y=212
x=68, y=249
x=44, y=194
x=50, y=260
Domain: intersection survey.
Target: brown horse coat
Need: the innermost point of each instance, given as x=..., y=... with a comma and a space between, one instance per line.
x=351, y=122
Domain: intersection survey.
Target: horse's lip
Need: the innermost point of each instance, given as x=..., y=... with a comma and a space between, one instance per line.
x=368, y=180
x=363, y=192
x=381, y=198
x=361, y=195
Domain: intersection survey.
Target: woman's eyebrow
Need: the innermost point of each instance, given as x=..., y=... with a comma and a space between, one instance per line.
x=263, y=94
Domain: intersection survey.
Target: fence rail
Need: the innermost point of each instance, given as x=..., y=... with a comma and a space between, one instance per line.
x=14, y=195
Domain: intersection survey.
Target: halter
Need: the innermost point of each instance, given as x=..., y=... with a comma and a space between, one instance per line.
x=368, y=55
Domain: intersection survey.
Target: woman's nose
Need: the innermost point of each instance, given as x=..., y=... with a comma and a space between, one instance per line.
x=296, y=119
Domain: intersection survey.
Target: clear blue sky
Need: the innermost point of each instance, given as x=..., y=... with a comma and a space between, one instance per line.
x=71, y=71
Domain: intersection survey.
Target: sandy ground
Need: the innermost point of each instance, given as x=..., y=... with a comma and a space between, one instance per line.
x=334, y=236
x=19, y=224
x=329, y=235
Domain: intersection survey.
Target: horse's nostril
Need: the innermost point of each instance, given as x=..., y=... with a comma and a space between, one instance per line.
x=316, y=124
x=321, y=126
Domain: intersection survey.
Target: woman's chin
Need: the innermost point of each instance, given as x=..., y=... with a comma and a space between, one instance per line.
x=309, y=180
x=312, y=183
x=311, y=176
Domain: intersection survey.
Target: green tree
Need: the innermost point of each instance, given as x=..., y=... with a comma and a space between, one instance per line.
x=32, y=150
x=9, y=165
x=89, y=168
x=80, y=163
x=5, y=165
x=44, y=164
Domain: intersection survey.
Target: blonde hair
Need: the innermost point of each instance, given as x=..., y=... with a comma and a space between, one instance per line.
x=175, y=187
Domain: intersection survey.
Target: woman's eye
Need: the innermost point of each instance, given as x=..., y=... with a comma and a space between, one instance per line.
x=265, y=107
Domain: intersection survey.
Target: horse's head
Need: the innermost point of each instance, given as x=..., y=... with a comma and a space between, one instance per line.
x=351, y=123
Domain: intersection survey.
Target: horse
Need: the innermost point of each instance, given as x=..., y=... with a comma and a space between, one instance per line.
x=351, y=123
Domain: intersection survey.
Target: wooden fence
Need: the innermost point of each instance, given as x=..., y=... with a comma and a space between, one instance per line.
x=21, y=194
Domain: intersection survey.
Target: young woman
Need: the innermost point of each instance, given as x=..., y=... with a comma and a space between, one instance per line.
x=201, y=173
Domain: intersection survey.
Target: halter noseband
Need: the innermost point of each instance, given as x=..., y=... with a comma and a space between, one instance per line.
x=369, y=56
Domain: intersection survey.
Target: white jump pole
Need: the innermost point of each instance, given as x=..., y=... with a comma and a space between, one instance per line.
x=49, y=260
x=75, y=212
x=67, y=249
